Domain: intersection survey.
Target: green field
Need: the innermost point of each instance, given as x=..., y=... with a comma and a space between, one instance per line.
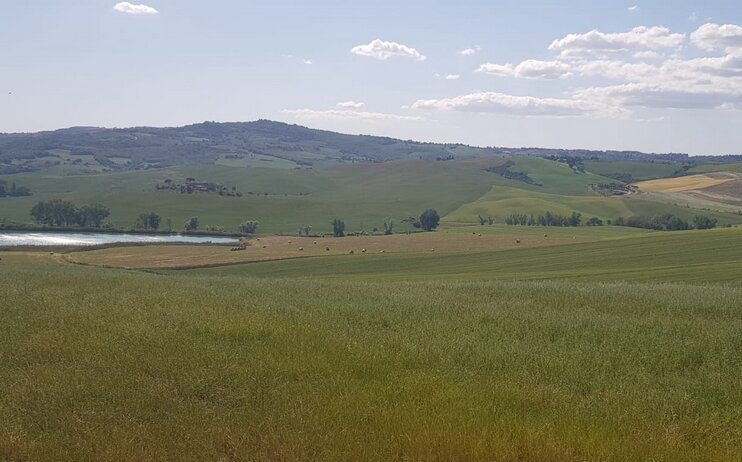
x=283, y=199
x=363, y=197
x=627, y=348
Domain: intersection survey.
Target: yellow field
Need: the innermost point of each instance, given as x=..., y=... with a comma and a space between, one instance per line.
x=686, y=183
x=283, y=247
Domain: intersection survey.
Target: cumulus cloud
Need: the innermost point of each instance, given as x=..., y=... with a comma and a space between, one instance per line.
x=130, y=8
x=602, y=44
x=350, y=104
x=381, y=49
x=623, y=71
x=529, y=69
x=718, y=37
x=491, y=102
x=663, y=96
x=347, y=114
x=633, y=8
x=649, y=54
x=308, y=62
x=452, y=77
x=470, y=51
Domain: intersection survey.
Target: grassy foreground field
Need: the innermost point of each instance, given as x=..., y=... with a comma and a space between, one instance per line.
x=101, y=364
x=408, y=356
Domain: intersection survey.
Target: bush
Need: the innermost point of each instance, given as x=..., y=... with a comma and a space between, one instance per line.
x=249, y=227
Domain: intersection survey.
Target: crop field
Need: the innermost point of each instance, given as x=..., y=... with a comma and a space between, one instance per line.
x=686, y=183
x=697, y=257
x=356, y=357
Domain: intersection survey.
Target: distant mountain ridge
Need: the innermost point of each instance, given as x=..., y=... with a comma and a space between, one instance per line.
x=205, y=143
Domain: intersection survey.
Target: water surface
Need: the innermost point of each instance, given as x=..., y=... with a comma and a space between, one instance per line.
x=13, y=239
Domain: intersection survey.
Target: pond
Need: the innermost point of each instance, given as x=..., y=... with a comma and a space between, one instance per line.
x=13, y=239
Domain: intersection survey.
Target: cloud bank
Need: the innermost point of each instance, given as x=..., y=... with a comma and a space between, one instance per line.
x=641, y=68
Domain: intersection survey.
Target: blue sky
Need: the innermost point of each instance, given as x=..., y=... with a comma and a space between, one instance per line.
x=655, y=76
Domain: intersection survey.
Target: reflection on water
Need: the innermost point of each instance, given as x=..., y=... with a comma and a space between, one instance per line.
x=83, y=239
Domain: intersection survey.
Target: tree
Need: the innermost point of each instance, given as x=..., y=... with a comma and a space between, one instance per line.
x=148, y=221
x=169, y=223
x=305, y=229
x=704, y=222
x=388, y=226
x=338, y=228
x=429, y=220
x=249, y=227
x=92, y=215
x=55, y=212
x=594, y=221
x=153, y=220
x=191, y=224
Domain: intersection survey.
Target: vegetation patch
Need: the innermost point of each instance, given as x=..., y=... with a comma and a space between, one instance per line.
x=504, y=171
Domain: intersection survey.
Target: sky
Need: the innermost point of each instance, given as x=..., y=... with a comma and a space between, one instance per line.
x=654, y=76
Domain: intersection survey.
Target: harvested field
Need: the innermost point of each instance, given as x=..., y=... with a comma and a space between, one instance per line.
x=284, y=247
x=687, y=183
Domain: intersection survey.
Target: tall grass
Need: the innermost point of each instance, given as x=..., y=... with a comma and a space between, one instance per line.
x=111, y=365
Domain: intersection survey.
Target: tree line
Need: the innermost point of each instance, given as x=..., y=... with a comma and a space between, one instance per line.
x=667, y=222
x=13, y=190
x=547, y=219
x=57, y=212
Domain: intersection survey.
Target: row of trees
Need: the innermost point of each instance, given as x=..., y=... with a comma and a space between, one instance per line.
x=13, y=190
x=666, y=222
x=427, y=221
x=57, y=212
x=545, y=219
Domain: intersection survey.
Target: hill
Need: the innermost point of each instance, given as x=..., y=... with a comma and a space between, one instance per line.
x=91, y=149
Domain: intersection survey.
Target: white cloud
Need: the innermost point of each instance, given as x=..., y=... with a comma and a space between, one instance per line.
x=350, y=104
x=381, y=49
x=529, y=69
x=716, y=37
x=452, y=77
x=633, y=8
x=662, y=96
x=636, y=64
x=491, y=102
x=308, y=62
x=130, y=8
x=649, y=54
x=346, y=114
x=470, y=51
x=693, y=17
x=602, y=44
